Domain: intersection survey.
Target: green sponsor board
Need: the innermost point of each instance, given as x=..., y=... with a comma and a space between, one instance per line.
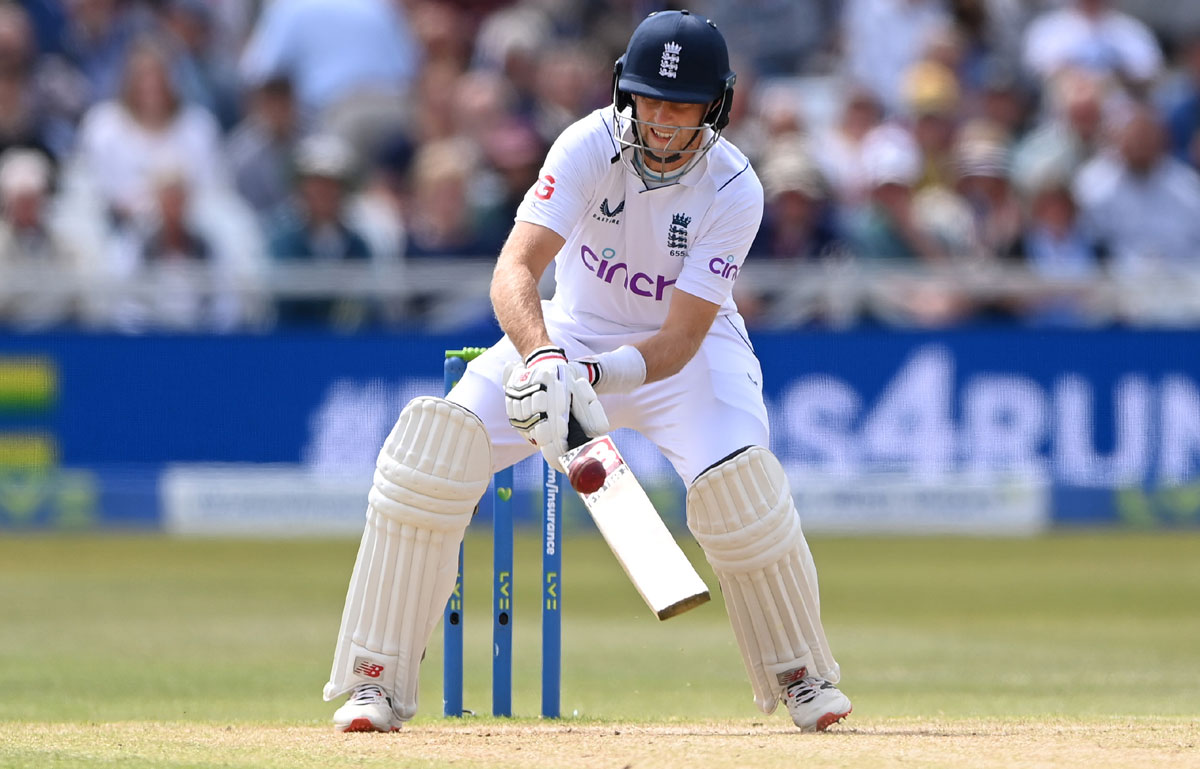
x=27, y=383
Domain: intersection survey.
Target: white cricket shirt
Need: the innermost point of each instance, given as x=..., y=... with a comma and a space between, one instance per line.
x=627, y=248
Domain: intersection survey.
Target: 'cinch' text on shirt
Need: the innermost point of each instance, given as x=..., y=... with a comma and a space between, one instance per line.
x=606, y=269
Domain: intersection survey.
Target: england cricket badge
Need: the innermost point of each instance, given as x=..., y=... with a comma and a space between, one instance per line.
x=677, y=235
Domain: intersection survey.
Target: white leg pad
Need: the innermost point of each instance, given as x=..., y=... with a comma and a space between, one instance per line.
x=431, y=472
x=741, y=512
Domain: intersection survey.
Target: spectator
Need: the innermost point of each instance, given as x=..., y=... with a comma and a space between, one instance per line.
x=780, y=122
x=1142, y=203
x=314, y=230
x=39, y=263
x=185, y=266
x=884, y=38
x=435, y=108
x=21, y=124
x=480, y=103
x=1183, y=110
x=351, y=62
x=379, y=211
x=983, y=183
x=509, y=42
x=908, y=229
x=946, y=45
x=1073, y=132
x=1090, y=35
x=798, y=222
x=990, y=31
x=514, y=153
x=173, y=238
x=39, y=100
x=570, y=83
x=840, y=154
x=446, y=33
x=1057, y=247
x=932, y=98
x=261, y=147
x=161, y=269
x=208, y=76
x=443, y=221
x=887, y=229
x=1003, y=100
x=123, y=143
x=97, y=42
x=764, y=114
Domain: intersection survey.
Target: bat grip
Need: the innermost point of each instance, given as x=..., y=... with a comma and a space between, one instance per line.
x=576, y=437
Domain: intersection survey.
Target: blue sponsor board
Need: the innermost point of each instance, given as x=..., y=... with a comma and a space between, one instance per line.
x=1108, y=420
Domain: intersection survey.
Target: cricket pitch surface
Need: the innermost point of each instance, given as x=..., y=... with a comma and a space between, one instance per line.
x=907, y=742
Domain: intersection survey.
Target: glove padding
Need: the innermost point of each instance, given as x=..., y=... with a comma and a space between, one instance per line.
x=541, y=394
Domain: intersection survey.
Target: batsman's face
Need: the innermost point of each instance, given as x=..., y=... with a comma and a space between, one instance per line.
x=674, y=126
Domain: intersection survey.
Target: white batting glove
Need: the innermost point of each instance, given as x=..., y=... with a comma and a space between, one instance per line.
x=540, y=396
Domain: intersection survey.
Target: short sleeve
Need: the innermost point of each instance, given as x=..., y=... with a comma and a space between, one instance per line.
x=714, y=260
x=568, y=178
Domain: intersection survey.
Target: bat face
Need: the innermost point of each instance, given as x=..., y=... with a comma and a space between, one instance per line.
x=637, y=535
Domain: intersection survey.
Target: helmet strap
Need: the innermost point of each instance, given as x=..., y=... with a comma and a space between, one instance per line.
x=659, y=158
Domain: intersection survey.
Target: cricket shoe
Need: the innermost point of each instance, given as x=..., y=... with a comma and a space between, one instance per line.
x=367, y=710
x=816, y=704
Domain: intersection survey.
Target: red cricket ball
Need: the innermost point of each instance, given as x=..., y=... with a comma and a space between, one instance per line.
x=586, y=475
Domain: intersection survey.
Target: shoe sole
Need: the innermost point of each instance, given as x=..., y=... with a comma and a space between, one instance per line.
x=829, y=719
x=365, y=725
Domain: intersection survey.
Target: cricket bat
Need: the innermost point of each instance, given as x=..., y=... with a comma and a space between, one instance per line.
x=635, y=532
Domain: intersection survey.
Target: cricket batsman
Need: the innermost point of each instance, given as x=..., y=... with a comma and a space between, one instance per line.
x=647, y=214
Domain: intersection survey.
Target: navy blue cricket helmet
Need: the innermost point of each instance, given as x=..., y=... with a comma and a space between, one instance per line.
x=678, y=56
x=675, y=56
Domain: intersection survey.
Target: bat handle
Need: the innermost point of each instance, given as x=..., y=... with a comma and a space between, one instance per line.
x=576, y=437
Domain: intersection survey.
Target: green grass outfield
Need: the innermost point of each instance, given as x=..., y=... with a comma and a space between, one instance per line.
x=1074, y=628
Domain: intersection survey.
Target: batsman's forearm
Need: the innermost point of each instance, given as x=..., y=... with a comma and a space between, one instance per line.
x=667, y=352
x=518, y=307
x=688, y=321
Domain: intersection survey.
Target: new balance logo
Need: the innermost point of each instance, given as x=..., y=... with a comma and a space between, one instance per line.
x=365, y=667
x=609, y=215
x=677, y=235
x=791, y=676
x=669, y=65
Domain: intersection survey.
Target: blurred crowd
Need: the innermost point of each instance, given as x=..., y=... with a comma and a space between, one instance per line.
x=159, y=159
